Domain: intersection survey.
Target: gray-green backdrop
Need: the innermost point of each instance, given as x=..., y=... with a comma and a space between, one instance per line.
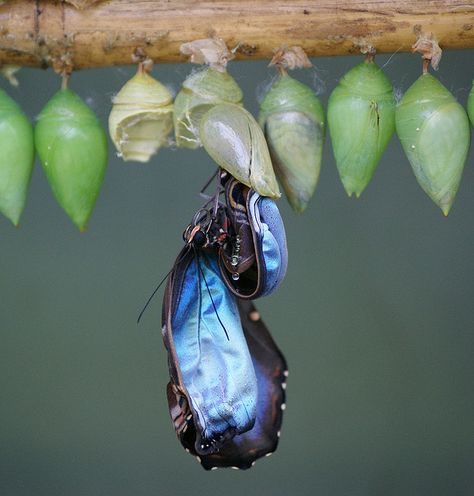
x=375, y=317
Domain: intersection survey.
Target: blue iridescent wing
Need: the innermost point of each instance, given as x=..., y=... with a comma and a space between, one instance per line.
x=271, y=370
x=210, y=365
x=270, y=241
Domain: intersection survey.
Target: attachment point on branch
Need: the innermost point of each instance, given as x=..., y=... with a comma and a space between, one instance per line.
x=293, y=57
x=210, y=51
x=63, y=66
x=244, y=49
x=65, y=80
x=145, y=64
x=366, y=49
x=429, y=49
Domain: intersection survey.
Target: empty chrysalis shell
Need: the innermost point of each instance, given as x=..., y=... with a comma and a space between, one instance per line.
x=434, y=131
x=9, y=72
x=17, y=153
x=234, y=140
x=361, y=119
x=72, y=147
x=293, y=121
x=141, y=117
x=200, y=92
x=470, y=104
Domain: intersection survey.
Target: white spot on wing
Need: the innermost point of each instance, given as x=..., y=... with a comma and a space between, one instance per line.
x=254, y=316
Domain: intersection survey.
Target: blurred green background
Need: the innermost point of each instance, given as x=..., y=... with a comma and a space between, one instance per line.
x=375, y=317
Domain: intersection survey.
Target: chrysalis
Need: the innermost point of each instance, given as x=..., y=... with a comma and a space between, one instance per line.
x=141, y=117
x=361, y=119
x=17, y=153
x=235, y=141
x=72, y=147
x=9, y=72
x=203, y=89
x=434, y=131
x=293, y=121
x=470, y=104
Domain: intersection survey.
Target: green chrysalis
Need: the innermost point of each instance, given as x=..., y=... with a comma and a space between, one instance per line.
x=203, y=89
x=293, y=121
x=200, y=92
x=470, y=104
x=72, y=147
x=361, y=119
x=234, y=140
x=434, y=131
x=17, y=154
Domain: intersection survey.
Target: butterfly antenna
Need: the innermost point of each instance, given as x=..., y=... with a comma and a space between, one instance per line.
x=158, y=287
x=209, y=182
x=152, y=295
x=217, y=194
x=212, y=300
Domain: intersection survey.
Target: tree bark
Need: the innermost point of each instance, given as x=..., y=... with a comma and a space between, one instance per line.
x=42, y=33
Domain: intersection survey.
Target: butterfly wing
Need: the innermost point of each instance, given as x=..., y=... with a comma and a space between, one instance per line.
x=260, y=256
x=270, y=241
x=270, y=366
x=211, y=370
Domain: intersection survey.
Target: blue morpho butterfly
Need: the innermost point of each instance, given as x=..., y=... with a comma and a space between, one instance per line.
x=227, y=376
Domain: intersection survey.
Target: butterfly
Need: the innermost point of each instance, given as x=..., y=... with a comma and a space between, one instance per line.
x=227, y=376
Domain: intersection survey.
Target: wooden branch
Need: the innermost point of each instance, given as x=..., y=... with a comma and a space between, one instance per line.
x=40, y=33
